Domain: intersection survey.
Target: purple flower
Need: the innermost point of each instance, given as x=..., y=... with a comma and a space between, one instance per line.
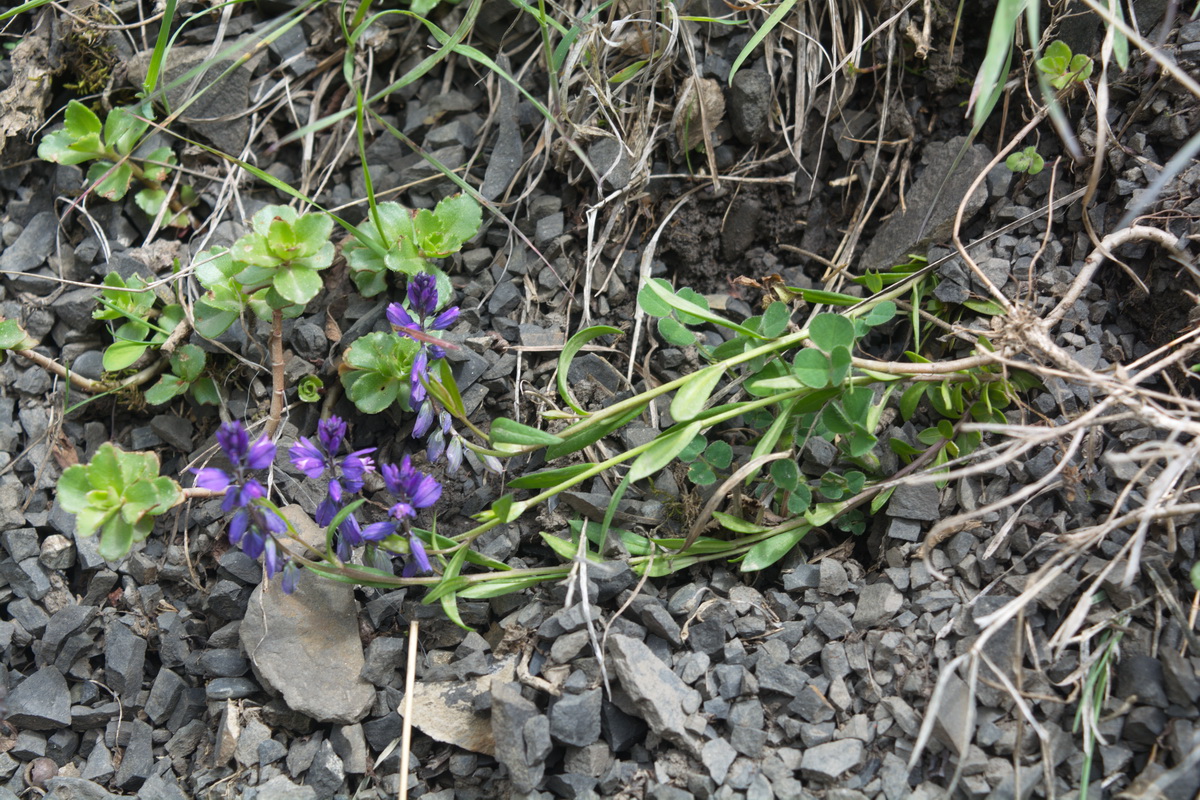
x=320, y=459
x=253, y=525
x=413, y=490
x=423, y=301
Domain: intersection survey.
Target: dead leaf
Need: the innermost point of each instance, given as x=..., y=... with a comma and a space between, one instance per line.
x=700, y=109
x=36, y=60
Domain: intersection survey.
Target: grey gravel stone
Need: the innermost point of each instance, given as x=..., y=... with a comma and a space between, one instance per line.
x=33, y=246
x=830, y=761
x=41, y=702
x=915, y=502
x=280, y=788
x=611, y=161
x=164, y=694
x=575, y=718
x=662, y=698
x=137, y=762
x=351, y=746
x=511, y=718
x=877, y=604
x=750, y=105
x=383, y=657
x=174, y=430
x=717, y=755
x=326, y=774
x=124, y=659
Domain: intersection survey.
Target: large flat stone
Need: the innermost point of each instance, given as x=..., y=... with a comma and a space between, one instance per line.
x=305, y=646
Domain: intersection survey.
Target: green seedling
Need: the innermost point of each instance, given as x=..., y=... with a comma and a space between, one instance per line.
x=310, y=389
x=1027, y=161
x=397, y=239
x=1062, y=68
x=13, y=336
x=706, y=460
x=112, y=146
x=118, y=494
x=186, y=365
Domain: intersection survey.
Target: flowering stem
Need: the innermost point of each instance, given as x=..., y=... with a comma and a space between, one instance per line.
x=277, y=380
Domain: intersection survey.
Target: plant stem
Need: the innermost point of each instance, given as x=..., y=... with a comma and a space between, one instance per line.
x=277, y=380
x=87, y=384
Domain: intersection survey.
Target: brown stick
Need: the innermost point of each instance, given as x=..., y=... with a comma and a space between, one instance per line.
x=277, y=381
x=87, y=384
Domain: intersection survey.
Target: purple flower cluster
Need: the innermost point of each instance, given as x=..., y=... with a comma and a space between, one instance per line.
x=344, y=475
x=254, y=526
x=413, y=489
x=422, y=301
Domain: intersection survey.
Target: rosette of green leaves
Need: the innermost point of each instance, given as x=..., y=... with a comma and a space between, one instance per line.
x=1062, y=68
x=118, y=494
x=110, y=144
x=133, y=302
x=283, y=255
x=400, y=240
x=187, y=364
x=380, y=366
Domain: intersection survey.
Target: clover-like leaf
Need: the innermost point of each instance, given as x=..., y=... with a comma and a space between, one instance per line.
x=828, y=331
x=812, y=368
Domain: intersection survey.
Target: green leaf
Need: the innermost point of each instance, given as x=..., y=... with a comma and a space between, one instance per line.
x=150, y=201
x=188, y=362
x=123, y=129
x=775, y=320
x=211, y=322
x=673, y=332
x=590, y=434
x=719, y=454
x=60, y=147
x=690, y=398
x=769, y=551
x=115, y=539
x=166, y=389
x=111, y=182
x=73, y=488
x=12, y=335
x=799, y=500
x=693, y=450
x=839, y=365
x=80, y=121
x=785, y=474
x=662, y=451
x=371, y=392
x=546, y=478
x=297, y=284
x=910, y=399
x=563, y=548
x=652, y=302
x=507, y=431
x=572, y=347
x=684, y=306
x=828, y=331
x=737, y=524
x=309, y=389
x=701, y=474
x=123, y=354
x=205, y=392
x=881, y=313
x=812, y=368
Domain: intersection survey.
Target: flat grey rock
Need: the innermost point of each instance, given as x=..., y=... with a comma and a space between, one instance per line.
x=41, y=702
x=305, y=645
x=830, y=761
x=663, y=699
x=901, y=233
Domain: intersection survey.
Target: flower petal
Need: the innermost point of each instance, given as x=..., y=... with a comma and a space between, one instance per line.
x=400, y=318
x=261, y=454
x=212, y=479
x=378, y=531
x=234, y=440
x=445, y=319
x=419, y=554
x=331, y=431
x=307, y=457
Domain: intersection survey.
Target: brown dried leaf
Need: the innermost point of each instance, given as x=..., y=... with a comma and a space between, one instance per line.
x=700, y=109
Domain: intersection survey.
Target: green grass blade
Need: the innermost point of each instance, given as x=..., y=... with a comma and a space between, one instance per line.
x=776, y=17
